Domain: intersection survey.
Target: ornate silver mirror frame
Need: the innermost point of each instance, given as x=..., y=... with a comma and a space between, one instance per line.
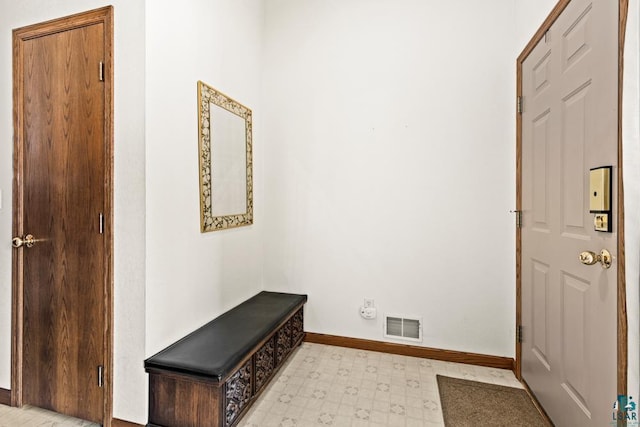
x=226, y=165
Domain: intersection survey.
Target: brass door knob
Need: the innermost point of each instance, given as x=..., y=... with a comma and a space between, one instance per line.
x=27, y=241
x=590, y=258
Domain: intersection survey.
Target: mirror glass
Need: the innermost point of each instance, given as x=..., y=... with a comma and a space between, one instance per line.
x=229, y=173
x=225, y=145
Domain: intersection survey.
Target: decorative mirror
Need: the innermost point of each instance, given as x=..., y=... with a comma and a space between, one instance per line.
x=226, y=172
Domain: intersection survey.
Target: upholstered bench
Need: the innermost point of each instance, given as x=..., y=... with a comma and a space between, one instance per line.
x=210, y=377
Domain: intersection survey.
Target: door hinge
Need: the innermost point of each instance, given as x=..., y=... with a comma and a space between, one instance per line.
x=518, y=218
x=101, y=71
x=519, y=333
x=519, y=104
x=101, y=223
x=100, y=376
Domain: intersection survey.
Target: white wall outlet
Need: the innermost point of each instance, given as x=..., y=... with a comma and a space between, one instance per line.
x=369, y=303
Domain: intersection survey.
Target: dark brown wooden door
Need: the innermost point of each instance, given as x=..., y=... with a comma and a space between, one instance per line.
x=64, y=198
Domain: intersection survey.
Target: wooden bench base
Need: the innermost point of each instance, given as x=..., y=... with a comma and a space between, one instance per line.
x=182, y=399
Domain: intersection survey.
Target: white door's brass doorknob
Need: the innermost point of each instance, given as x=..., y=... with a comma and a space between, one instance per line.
x=590, y=258
x=27, y=241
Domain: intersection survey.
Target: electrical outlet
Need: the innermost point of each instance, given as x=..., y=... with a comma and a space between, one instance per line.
x=368, y=303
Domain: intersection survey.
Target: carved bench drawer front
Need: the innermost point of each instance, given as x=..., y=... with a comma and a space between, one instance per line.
x=264, y=364
x=238, y=393
x=297, y=324
x=283, y=338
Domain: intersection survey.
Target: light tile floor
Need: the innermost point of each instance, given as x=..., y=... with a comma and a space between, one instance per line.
x=29, y=416
x=325, y=385
x=336, y=386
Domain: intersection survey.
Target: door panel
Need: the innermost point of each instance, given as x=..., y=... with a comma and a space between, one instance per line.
x=539, y=331
x=569, y=125
x=541, y=183
x=64, y=194
x=573, y=163
x=574, y=301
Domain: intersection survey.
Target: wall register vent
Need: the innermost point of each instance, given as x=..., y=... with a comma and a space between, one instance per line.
x=404, y=328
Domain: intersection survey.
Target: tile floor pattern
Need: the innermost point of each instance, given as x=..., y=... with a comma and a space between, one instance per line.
x=29, y=416
x=323, y=385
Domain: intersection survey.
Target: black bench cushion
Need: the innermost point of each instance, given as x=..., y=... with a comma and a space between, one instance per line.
x=213, y=350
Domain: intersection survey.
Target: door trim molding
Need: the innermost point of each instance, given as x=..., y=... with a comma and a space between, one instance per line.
x=622, y=363
x=20, y=35
x=623, y=346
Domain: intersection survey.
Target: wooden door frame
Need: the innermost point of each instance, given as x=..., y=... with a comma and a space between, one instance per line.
x=20, y=35
x=622, y=363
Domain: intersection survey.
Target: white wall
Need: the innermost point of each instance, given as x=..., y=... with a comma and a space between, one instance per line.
x=193, y=277
x=390, y=169
x=529, y=16
x=129, y=384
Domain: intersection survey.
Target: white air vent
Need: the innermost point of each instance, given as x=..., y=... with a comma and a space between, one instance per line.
x=404, y=328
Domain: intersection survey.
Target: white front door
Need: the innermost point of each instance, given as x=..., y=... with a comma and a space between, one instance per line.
x=569, y=125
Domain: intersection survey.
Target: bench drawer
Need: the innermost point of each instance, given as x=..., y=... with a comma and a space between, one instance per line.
x=265, y=363
x=238, y=393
